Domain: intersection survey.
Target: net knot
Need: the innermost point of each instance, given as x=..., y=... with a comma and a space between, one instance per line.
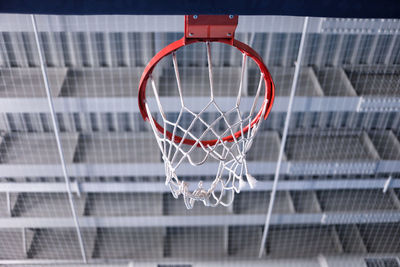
x=251, y=180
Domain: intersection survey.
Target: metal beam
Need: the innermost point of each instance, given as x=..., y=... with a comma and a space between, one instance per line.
x=129, y=169
x=204, y=220
x=233, y=262
x=175, y=24
x=359, y=26
x=128, y=104
x=151, y=187
x=146, y=23
x=42, y=262
x=380, y=104
x=207, y=169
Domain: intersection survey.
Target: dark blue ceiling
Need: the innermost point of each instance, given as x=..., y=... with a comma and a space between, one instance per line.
x=322, y=8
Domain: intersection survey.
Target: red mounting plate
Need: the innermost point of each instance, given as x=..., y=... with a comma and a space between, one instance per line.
x=210, y=26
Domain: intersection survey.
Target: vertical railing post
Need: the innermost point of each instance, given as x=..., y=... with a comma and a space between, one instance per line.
x=57, y=137
x=284, y=136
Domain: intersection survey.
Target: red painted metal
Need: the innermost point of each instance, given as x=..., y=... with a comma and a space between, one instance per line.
x=210, y=26
x=269, y=84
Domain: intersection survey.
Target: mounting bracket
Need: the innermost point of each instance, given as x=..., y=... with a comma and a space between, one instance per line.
x=210, y=27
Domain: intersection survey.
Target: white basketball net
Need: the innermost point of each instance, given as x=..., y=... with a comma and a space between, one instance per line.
x=230, y=155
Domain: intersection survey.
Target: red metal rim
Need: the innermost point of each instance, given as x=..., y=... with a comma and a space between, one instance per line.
x=269, y=86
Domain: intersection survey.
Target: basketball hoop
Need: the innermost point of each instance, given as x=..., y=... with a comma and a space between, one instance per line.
x=230, y=147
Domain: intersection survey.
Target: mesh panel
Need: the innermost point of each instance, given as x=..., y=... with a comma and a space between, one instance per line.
x=337, y=196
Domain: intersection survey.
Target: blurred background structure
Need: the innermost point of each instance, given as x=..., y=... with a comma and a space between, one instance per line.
x=104, y=201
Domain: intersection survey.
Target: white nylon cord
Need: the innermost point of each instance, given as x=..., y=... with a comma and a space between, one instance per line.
x=231, y=155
